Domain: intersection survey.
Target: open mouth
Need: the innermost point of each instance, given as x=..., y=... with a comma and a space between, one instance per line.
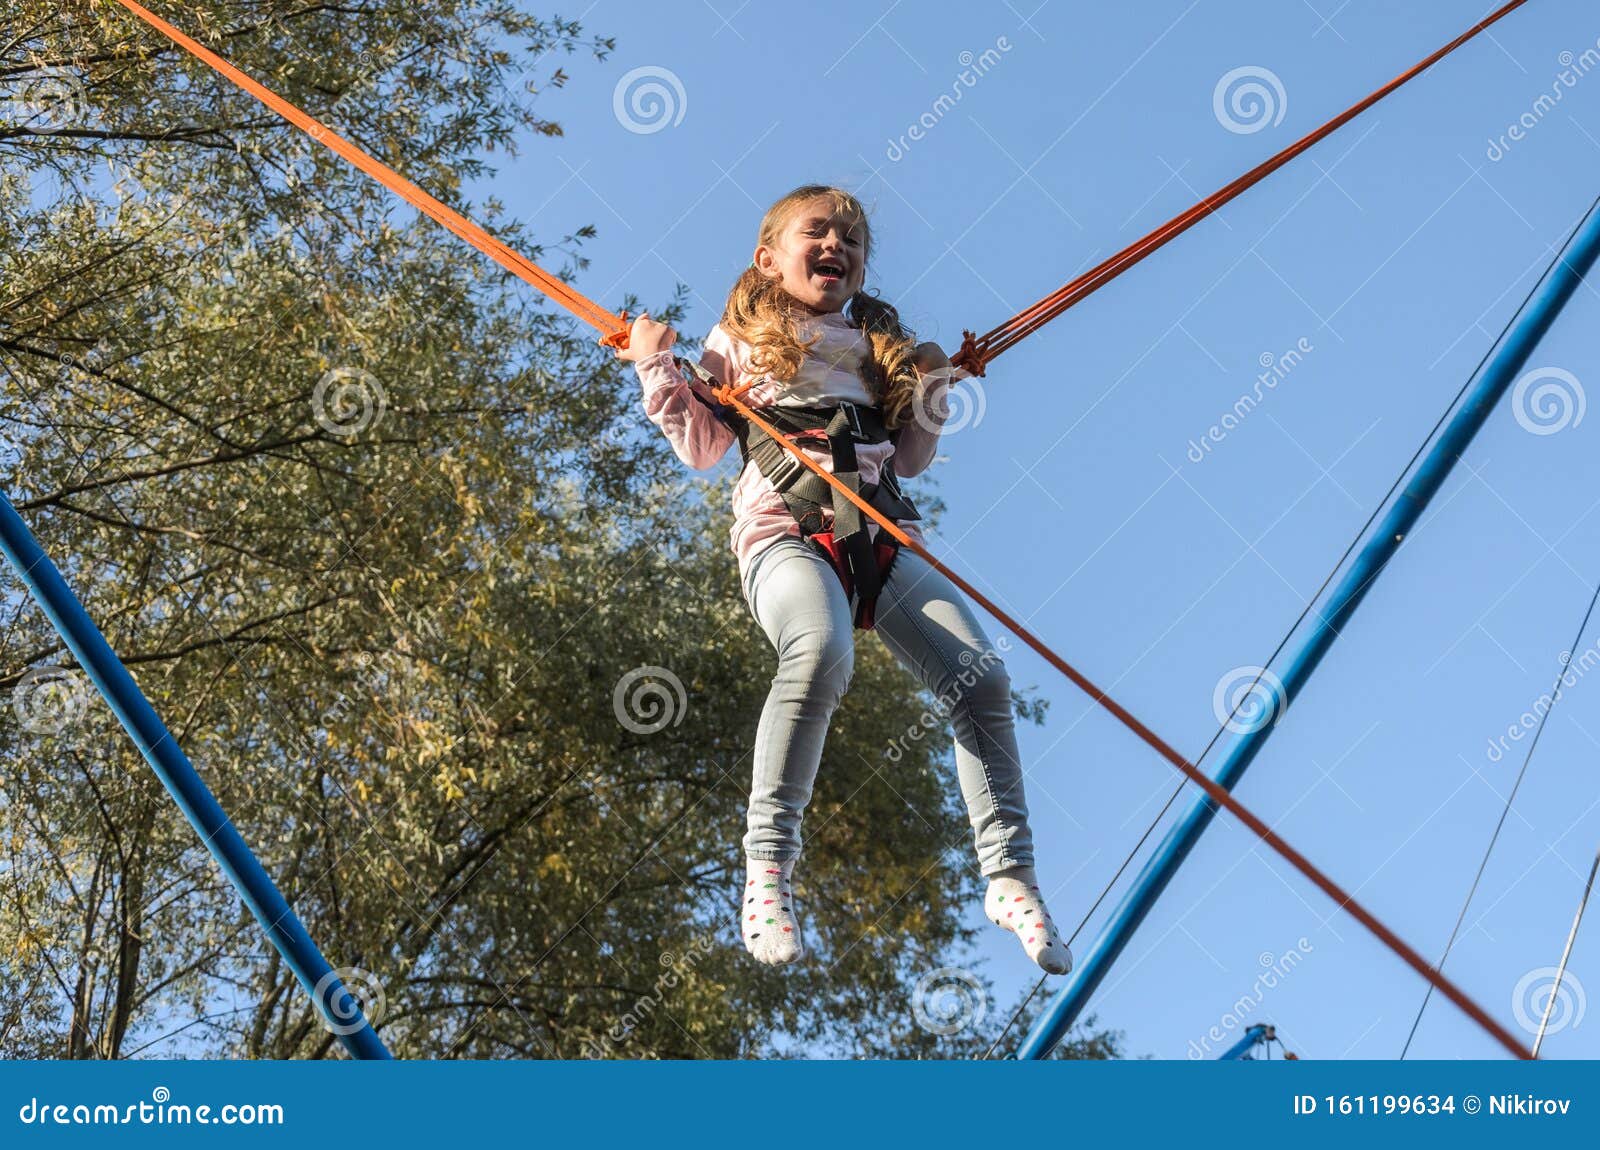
x=828, y=269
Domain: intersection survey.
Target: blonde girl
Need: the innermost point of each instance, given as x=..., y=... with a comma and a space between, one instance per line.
x=835, y=371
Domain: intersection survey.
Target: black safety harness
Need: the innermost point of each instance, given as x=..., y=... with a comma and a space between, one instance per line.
x=861, y=561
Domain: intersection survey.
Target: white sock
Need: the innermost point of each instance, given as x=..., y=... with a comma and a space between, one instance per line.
x=767, y=916
x=1014, y=903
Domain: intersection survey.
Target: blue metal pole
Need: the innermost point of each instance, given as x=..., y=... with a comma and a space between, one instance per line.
x=338, y=1007
x=1255, y=1036
x=1484, y=390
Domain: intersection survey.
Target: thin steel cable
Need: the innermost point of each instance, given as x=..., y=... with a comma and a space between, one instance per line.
x=614, y=324
x=1483, y=863
x=1566, y=953
x=1245, y=695
x=1411, y=463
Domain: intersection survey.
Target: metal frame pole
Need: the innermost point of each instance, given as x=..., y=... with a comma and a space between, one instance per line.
x=1257, y=1035
x=1497, y=372
x=337, y=1006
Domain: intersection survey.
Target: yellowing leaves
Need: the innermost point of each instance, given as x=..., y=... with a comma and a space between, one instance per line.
x=27, y=943
x=445, y=783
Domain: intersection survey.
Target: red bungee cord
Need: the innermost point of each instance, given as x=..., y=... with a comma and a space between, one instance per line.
x=614, y=329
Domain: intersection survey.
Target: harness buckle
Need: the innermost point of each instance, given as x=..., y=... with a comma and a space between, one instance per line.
x=854, y=416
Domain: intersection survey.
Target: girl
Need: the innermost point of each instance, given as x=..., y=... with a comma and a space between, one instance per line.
x=833, y=368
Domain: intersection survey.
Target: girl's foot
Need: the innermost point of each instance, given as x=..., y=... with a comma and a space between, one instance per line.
x=1014, y=902
x=767, y=913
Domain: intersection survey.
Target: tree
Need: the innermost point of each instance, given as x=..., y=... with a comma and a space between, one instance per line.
x=389, y=547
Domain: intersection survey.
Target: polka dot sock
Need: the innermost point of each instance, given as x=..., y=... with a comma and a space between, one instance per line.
x=767, y=916
x=1014, y=903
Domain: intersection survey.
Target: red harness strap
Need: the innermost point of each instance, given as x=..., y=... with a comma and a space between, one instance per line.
x=864, y=609
x=861, y=561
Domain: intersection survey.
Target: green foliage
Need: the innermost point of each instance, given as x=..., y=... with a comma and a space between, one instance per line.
x=379, y=536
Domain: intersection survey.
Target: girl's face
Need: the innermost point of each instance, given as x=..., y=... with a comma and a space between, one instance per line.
x=820, y=256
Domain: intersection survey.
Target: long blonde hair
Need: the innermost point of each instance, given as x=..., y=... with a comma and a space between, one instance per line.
x=764, y=316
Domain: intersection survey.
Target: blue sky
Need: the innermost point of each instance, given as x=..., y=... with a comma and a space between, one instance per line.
x=1389, y=257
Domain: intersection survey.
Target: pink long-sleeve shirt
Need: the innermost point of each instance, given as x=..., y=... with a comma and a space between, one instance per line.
x=830, y=373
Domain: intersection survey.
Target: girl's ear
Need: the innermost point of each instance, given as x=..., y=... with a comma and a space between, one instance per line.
x=765, y=262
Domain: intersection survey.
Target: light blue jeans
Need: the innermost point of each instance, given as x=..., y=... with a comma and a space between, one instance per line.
x=926, y=624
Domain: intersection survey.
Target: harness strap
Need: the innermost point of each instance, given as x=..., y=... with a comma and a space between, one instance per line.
x=849, y=527
x=861, y=562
